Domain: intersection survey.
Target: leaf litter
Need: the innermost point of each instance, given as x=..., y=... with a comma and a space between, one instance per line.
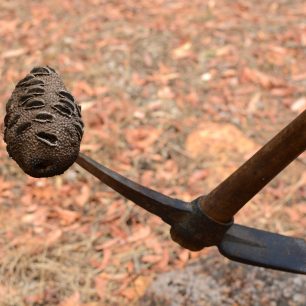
x=175, y=95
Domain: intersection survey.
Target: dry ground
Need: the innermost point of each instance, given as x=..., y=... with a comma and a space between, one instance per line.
x=175, y=95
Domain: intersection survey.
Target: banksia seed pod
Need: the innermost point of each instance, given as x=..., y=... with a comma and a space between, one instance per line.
x=43, y=125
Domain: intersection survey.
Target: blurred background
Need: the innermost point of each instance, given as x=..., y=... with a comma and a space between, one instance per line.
x=175, y=95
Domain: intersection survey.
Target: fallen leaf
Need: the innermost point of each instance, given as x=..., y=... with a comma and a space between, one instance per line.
x=255, y=103
x=184, y=256
x=33, y=299
x=67, y=216
x=83, y=196
x=163, y=264
x=151, y=258
x=73, y=300
x=82, y=89
x=140, y=234
x=117, y=276
x=182, y=51
x=13, y=53
x=299, y=77
x=143, y=137
x=197, y=176
x=261, y=78
x=53, y=237
x=108, y=244
x=106, y=258
x=100, y=285
x=137, y=288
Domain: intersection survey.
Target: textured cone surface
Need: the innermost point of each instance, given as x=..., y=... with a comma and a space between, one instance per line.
x=43, y=125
